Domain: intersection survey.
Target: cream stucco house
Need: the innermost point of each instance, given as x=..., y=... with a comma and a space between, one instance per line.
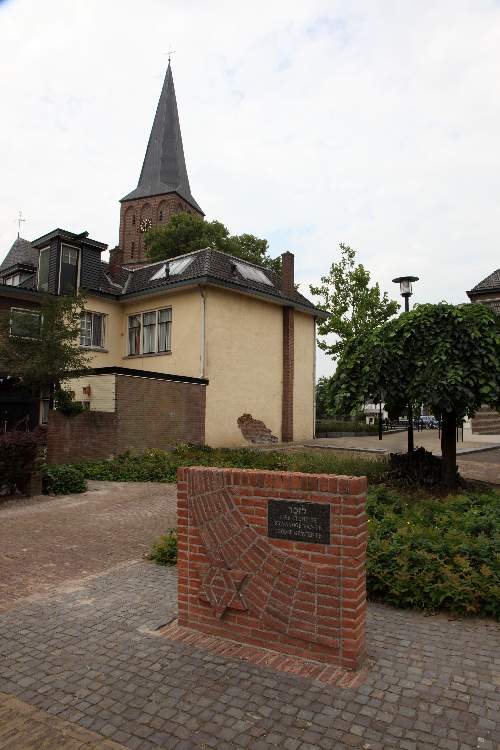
x=239, y=332
x=204, y=347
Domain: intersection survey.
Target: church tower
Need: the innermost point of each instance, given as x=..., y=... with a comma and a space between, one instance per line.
x=163, y=187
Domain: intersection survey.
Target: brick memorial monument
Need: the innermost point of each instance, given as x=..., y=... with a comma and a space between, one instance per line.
x=275, y=560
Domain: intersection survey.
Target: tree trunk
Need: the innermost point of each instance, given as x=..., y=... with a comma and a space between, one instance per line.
x=449, y=450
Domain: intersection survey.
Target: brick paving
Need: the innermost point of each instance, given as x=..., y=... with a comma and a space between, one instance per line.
x=93, y=656
x=46, y=541
x=25, y=727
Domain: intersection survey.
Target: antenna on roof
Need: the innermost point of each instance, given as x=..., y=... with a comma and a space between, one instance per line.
x=19, y=220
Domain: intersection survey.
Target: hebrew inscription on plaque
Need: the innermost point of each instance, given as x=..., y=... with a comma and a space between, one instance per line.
x=299, y=522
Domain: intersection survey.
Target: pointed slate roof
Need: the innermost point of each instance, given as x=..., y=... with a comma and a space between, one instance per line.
x=21, y=253
x=490, y=282
x=164, y=168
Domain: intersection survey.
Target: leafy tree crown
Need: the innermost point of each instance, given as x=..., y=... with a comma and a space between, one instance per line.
x=354, y=306
x=44, y=350
x=447, y=356
x=185, y=233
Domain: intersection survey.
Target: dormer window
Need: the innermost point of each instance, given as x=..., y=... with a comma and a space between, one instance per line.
x=43, y=269
x=68, y=273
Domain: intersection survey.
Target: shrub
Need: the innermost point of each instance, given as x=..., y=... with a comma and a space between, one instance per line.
x=435, y=554
x=419, y=469
x=64, y=479
x=164, y=550
x=18, y=454
x=161, y=466
x=65, y=403
x=334, y=425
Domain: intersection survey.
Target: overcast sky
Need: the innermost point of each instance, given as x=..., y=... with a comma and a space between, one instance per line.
x=306, y=122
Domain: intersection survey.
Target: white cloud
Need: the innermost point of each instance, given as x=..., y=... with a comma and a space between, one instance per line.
x=310, y=122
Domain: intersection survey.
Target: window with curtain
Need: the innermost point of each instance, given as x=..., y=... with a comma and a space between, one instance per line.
x=92, y=330
x=134, y=334
x=149, y=332
x=164, y=329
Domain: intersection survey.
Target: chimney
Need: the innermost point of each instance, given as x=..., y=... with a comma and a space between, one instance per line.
x=115, y=262
x=287, y=275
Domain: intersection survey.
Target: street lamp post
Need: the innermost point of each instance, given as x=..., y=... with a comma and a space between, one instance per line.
x=405, y=288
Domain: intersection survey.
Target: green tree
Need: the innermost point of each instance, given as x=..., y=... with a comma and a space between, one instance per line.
x=186, y=232
x=447, y=356
x=355, y=307
x=41, y=348
x=324, y=405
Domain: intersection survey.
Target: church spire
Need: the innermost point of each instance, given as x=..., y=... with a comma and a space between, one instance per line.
x=164, y=168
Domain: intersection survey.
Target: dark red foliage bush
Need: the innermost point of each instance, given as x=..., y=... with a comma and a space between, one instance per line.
x=18, y=454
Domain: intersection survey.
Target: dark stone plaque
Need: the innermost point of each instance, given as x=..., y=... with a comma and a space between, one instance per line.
x=298, y=522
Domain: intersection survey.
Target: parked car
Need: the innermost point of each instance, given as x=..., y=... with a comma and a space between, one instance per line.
x=428, y=422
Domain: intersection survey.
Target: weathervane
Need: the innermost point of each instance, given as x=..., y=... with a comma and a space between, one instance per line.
x=170, y=53
x=19, y=221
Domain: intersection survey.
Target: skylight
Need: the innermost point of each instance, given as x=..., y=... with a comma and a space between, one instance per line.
x=253, y=274
x=178, y=266
x=160, y=274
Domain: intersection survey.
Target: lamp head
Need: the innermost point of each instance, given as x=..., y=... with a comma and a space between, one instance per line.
x=405, y=284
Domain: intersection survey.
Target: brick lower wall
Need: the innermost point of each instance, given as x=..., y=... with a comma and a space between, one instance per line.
x=159, y=413
x=84, y=436
x=297, y=597
x=148, y=413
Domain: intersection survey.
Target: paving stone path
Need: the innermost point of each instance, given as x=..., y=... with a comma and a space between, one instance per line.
x=91, y=656
x=45, y=541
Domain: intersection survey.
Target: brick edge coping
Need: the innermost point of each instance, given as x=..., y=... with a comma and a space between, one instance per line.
x=325, y=674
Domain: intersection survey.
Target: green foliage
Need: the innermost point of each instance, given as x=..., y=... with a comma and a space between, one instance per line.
x=18, y=456
x=164, y=550
x=65, y=403
x=435, y=554
x=187, y=232
x=161, y=466
x=324, y=405
x=49, y=351
x=355, y=307
x=446, y=356
x=420, y=469
x=64, y=479
x=336, y=425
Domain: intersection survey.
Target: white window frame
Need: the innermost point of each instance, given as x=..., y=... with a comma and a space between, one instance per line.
x=42, y=250
x=156, y=351
x=78, y=264
x=29, y=310
x=102, y=347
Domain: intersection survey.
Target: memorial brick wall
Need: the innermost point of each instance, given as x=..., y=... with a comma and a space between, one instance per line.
x=275, y=560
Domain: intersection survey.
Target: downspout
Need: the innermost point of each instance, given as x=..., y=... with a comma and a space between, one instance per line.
x=202, y=332
x=314, y=377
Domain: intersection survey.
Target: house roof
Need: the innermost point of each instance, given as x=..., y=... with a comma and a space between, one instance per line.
x=22, y=253
x=489, y=283
x=203, y=266
x=164, y=168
